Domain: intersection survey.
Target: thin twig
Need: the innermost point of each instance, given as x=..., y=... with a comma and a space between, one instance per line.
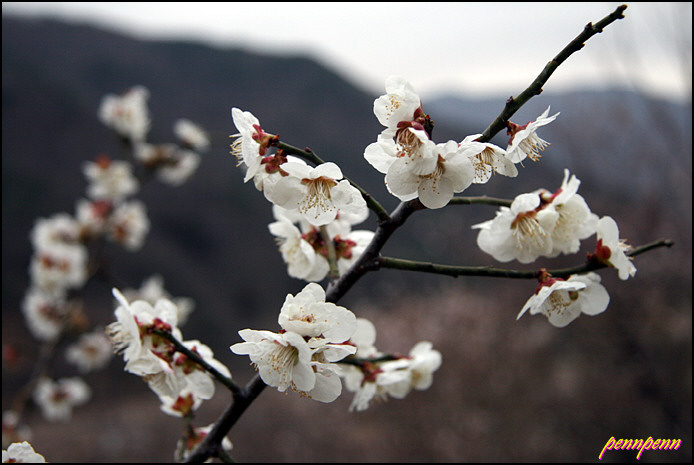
x=455, y=271
x=481, y=200
x=514, y=103
x=198, y=359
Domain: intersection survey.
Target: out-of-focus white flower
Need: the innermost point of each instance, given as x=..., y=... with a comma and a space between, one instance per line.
x=524, y=142
x=487, y=159
x=13, y=430
x=21, y=452
x=194, y=438
x=44, y=314
x=129, y=224
x=522, y=232
x=92, y=351
x=611, y=250
x=92, y=215
x=127, y=114
x=152, y=289
x=562, y=301
x=317, y=193
x=57, y=398
x=171, y=164
x=109, y=179
x=181, y=405
x=191, y=135
x=59, y=230
x=59, y=268
x=308, y=314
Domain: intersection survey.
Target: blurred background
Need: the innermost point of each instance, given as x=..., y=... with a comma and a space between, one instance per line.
x=507, y=390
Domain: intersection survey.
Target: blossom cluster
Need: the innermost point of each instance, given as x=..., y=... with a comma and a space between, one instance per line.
x=320, y=342
x=417, y=167
x=546, y=224
x=373, y=375
x=180, y=382
x=314, y=334
x=67, y=250
x=314, y=207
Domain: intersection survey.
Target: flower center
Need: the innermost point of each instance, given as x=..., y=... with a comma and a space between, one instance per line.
x=532, y=146
x=556, y=304
x=526, y=229
x=317, y=195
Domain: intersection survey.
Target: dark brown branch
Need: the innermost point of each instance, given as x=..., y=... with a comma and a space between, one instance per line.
x=211, y=445
x=514, y=103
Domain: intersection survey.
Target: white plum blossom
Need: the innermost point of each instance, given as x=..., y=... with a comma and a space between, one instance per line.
x=178, y=380
x=131, y=333
x=184, y=376
x=575, y=221
x=305, y=250
x=419, y=367
x=317, y=193
x=611, y=250
x=21, y=452
x=314, y=335
x=57, y=398
x=400, y=103
x=282, y=359
x=109, y=179
x=562, y=301
x=308, y=314
x=522, y=232
x=191, y=135
x=453, y=173
x=372, y=375
x=301, y=258
x=127, y=114
x=251, y=143
x=92, y=351
x=524, y=142
x=487, y=159
x=350, y=247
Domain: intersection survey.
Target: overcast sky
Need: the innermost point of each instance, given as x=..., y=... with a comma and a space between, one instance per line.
x=471, y=48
